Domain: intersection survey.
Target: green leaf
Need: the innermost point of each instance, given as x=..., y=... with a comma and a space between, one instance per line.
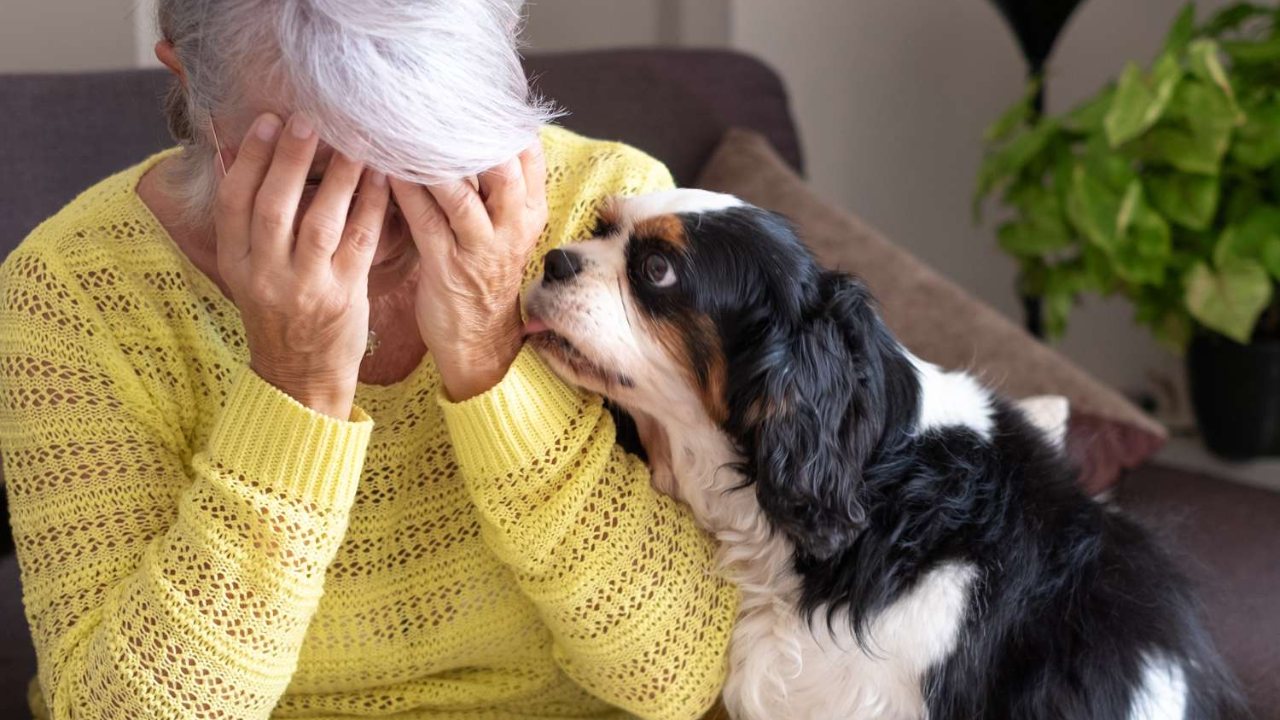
x=1040, y=227
x=1112, y=169
x=1015, y=117
x=1201, y=120
x=1129, y=205
x=1257, y=142
x=1255, y=237
x=1186, y=150
x=1022, y=149
x=1230, y=299
x=1189, y=200
x=1056, y=307
x=1092, y=208
x=1133, y=98
x=1191, y=248
x=1162, y=310
x=1241, y=200
x=1232, y=17
x=1202, y=104
x=1205, y=64
x=1166, y=75
x=1139, y=103
x=1062, y=283
x=1099, y=270
x=1143, y=251
x=1184, y=28
x=1143, y=240
x=1064, y=162
x=1032, y=239
x=1003, y=164
x=1136, y=239
x=1272, y=179
x=1244, y=52
x=1088, y=117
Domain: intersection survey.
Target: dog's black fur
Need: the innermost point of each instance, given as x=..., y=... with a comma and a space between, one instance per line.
x=823, y=404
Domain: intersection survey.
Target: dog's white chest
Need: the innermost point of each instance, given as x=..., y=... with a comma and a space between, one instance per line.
x=781, y=667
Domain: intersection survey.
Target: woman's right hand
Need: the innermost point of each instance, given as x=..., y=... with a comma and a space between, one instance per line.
x=303, y=297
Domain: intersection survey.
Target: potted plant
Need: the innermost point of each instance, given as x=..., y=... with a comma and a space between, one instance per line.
x=1165, y=188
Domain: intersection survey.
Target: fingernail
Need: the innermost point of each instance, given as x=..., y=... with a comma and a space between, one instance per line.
x=267, y=127
x=378, y=179
x=300, y=125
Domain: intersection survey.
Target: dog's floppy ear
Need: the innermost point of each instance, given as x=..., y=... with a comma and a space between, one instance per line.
x=814, y=407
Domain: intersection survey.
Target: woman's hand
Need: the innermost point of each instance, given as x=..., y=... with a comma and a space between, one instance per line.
x=474, y=245
x=302, y=296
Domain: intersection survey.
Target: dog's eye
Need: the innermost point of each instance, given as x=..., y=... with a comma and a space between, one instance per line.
x=657, y=271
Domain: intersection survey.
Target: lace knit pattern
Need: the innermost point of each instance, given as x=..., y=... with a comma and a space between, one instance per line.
x=196, y=544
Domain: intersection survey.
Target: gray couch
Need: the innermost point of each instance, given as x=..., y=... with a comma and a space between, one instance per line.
x=63, y=132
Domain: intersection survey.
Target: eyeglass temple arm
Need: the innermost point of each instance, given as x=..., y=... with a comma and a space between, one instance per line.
x=218, y=145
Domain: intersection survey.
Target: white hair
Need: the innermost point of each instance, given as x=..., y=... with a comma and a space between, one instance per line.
x=425, y=90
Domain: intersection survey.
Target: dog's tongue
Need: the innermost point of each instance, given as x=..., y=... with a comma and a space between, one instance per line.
x=534, y=326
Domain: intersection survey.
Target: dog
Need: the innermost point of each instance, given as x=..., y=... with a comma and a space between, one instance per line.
x=907, y=543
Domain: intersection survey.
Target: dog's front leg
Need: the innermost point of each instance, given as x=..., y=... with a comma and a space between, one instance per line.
x=658, y=447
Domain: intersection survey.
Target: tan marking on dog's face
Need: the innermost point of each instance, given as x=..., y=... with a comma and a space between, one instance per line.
x=664, y=228
x=693, y=345
x=610, y=214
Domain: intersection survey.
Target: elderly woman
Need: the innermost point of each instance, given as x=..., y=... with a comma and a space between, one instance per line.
x=272, y=444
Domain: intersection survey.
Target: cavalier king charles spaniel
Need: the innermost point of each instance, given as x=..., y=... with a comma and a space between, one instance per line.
x=908, y=544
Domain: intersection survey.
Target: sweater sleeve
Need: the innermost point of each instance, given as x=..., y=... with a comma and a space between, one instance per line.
x=159, y=581
x=620, y=574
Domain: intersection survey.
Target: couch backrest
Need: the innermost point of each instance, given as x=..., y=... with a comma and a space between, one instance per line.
x=63, y=132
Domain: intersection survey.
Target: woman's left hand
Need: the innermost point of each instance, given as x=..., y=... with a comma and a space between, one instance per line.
x=474, y=246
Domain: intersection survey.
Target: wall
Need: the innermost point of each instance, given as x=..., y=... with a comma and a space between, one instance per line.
x=593, y=24
x=61, y=35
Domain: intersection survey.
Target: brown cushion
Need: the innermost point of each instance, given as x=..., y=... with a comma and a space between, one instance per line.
x=938, y=320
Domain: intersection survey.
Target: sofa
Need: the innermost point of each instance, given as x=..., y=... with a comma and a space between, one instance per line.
x=708, y=115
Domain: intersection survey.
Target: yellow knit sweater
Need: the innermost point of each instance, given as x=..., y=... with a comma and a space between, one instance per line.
x=196, y=544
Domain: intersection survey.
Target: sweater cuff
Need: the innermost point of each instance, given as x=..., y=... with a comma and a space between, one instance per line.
x=516, y=421
x=282, y=446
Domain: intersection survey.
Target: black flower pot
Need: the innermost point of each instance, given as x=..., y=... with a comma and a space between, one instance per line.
x=1235, y=390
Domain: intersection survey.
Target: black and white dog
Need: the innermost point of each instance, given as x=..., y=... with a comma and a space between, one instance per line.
x=907, y=543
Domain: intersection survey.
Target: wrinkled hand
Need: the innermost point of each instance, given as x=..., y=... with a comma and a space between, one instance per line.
x=474, y=245
x=303, y=297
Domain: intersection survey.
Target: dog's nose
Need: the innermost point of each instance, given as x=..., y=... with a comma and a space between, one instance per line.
x=560, y=265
